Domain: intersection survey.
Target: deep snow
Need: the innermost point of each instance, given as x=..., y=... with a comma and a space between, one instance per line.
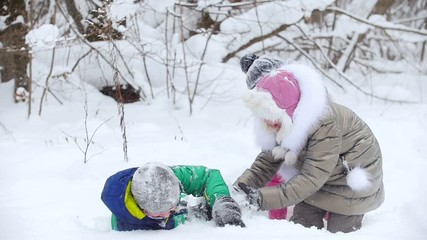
x=47, y=192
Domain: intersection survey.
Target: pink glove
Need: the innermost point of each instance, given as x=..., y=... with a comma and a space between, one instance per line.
x=277, y=213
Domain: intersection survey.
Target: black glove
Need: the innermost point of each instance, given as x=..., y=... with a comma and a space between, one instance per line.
x=200, y=211
x=226, y=211
x=252, y=195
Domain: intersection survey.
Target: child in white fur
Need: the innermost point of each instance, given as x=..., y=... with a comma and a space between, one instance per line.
x=338, y=156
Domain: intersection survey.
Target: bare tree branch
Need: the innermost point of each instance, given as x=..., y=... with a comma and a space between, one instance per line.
x=345, y=77
x=313, y=61
x=223, y=5
x=200, y=66
x=78, y=61
x=184, y=55
x=255, y=40
x=46, y=87
x=323, y=54
x=87, y=43
x=387, y=27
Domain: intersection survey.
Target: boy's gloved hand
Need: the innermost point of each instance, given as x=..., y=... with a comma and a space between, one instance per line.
x=200, y=211
x=226, y=211
x=252, y=195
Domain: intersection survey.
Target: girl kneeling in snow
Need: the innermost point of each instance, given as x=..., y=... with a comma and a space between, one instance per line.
x=150, y=197
x=337, y=157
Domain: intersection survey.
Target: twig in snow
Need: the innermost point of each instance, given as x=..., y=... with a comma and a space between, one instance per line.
x=88, y=139
x=5, y=128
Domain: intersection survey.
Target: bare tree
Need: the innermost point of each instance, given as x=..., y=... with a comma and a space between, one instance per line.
x=338, y=53
x=313, y=38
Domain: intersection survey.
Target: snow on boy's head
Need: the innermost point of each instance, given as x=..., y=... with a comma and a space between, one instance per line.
x=155, y=188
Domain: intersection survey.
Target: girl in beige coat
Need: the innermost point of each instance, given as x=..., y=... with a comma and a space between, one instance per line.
x=337, y=157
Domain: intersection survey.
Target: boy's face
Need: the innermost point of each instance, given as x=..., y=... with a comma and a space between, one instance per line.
x=161, y=215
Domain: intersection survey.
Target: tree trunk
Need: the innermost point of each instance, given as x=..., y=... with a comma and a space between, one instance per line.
x=382, y=7
x=14, y=53
x=75, y=14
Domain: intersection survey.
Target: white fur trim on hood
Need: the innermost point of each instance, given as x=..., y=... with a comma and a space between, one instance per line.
x=310, y=108
x=264, y=138
x=264, y=108
x=293, y=134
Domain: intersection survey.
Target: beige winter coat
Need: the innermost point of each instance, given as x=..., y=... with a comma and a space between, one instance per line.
x=340, y=142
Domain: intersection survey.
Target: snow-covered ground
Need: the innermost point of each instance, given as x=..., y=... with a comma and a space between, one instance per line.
x=48, y=192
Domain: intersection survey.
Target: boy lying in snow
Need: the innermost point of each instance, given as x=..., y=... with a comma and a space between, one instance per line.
x=337, y=156
x=149, y=197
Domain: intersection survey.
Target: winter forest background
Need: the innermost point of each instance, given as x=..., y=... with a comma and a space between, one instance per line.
x=90, y=87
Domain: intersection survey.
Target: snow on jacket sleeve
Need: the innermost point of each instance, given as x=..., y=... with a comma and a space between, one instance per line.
x=201, y=181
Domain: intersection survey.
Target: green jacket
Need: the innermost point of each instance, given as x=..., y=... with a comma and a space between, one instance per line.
x=196, y=180
x=201, y=181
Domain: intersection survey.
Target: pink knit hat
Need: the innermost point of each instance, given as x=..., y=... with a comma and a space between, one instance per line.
x=276, y=97
x=292, y=95
x=284, y=89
